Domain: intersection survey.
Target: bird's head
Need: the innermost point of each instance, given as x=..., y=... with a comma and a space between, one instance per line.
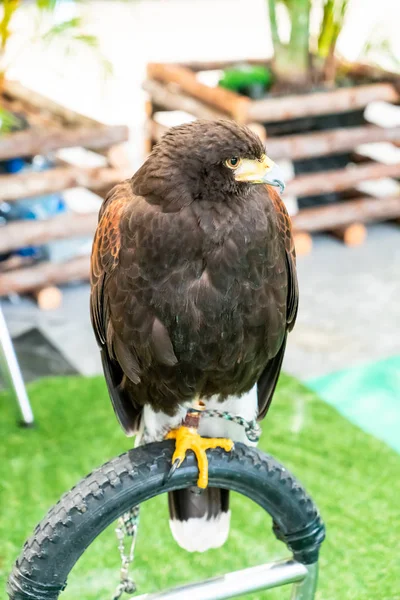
x=205, y=160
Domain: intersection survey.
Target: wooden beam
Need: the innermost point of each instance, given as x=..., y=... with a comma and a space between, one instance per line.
x=15, y=89
x=352, y=235
x=363, y=71
x=42, y=141
x=43, y=275
x=339, y=180
x=308, y=145
x=25, y=185
x=15, y=262
x=259, y=130
x=147, y=147
x=362, y=210
x=171, y=98
x=155, y=130
x=319, y=103
x=18, y=234
x=302, y=242
x=223, y=100
x=48, y=298
x=217, y=65
x=118, y=157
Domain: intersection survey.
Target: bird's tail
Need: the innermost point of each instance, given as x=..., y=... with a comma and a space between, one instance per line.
x=199, y=519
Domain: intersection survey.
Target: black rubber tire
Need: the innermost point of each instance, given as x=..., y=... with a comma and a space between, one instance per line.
x=84, y=512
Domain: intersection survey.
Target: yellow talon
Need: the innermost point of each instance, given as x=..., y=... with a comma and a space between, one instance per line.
x=187, y=438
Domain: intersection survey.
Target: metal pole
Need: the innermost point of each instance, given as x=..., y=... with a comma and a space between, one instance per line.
x=263, y=577
x=10, y=367
x=305, y=590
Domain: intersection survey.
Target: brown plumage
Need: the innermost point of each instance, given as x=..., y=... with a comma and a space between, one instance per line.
x=193, y=277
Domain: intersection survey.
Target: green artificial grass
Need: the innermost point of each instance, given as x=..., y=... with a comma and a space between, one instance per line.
x=354, y=479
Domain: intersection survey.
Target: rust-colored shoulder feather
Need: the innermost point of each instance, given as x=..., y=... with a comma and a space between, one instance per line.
x=285, y=229
x=269, y=377
x=104, y=260
x=105, y=252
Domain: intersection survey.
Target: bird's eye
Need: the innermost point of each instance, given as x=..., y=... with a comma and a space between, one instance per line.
x=233, y=162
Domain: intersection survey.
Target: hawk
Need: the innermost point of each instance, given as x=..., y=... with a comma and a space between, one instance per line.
x=193, y=293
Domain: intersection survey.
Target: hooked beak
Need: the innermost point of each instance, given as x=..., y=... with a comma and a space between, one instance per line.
x=260, y=171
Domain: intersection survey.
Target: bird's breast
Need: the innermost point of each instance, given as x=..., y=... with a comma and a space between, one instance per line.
x=210, y=276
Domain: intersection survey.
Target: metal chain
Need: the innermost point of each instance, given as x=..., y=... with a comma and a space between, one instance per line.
x=129, y=522
x=127, y=528
x=251, y=428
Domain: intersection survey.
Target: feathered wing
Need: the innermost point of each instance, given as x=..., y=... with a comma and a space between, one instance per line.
x=270, y=375
x=105, y=262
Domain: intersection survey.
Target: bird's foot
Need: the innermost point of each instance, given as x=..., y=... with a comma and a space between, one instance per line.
x=187, y=438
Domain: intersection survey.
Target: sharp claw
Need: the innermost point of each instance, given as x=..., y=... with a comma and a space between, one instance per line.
x=172, y=470
x=186, y=438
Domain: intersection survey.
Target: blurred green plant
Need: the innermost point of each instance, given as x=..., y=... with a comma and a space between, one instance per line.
x=48, y=28
x=381, y=46
x=8, y=121
x=72, y=31
x=306, y=56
